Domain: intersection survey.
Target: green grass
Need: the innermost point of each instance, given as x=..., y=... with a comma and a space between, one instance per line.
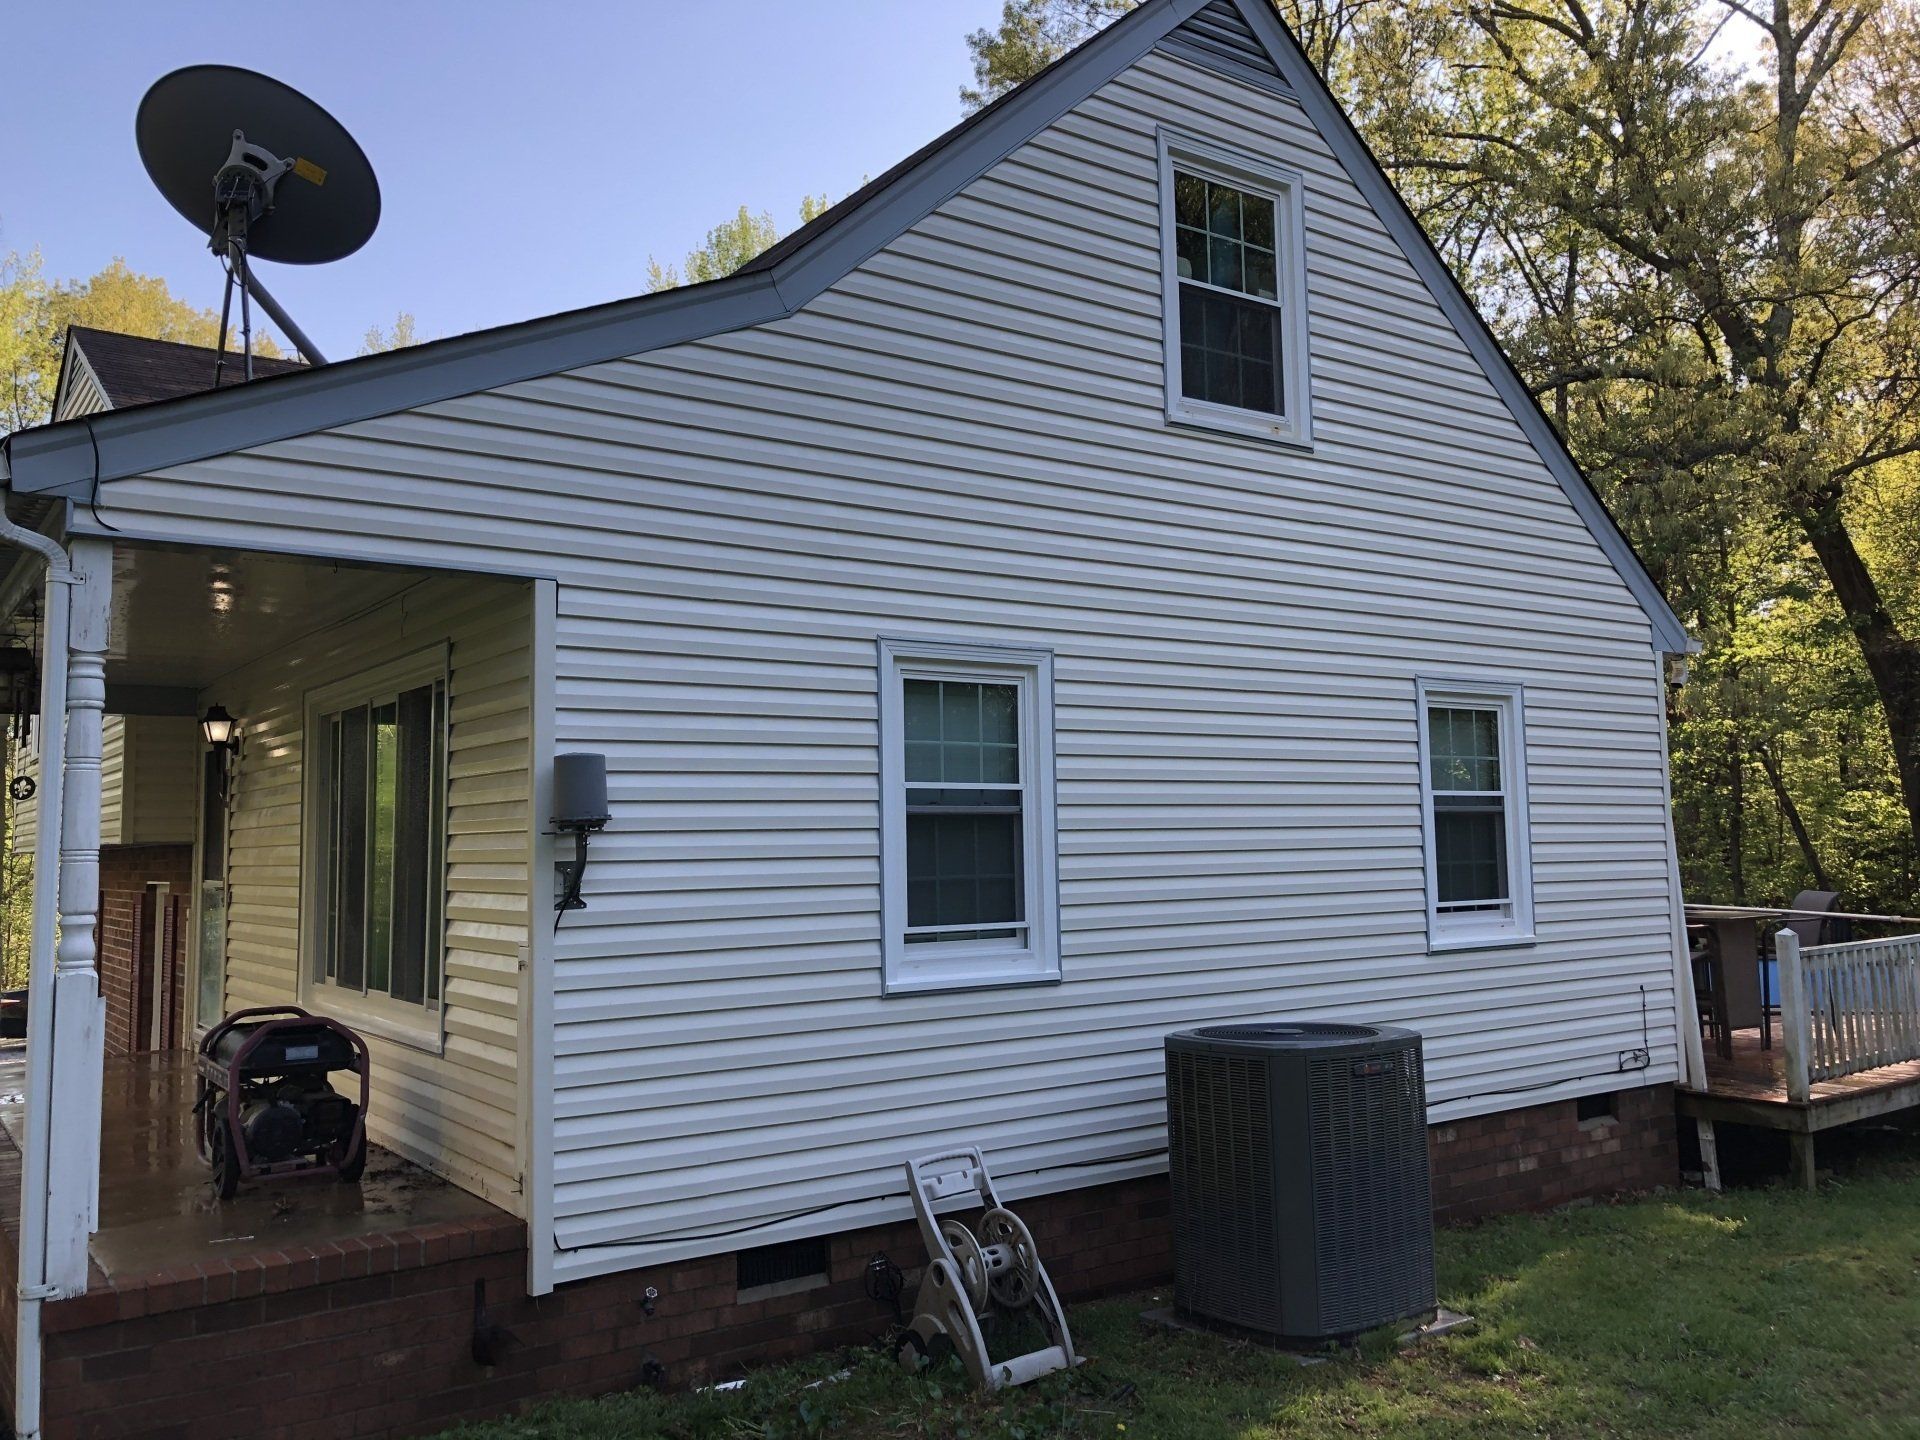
x=1754, y=1313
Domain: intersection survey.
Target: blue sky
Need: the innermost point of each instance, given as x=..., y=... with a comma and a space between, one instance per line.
x=530, y=156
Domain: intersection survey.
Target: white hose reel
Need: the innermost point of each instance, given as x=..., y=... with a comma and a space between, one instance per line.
x=967, y=1276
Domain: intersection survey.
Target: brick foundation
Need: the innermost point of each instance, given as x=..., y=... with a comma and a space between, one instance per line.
x=373, y=1337
x=125, y=935
x=1545, y=1155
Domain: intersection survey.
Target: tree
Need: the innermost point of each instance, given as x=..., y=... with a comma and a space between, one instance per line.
x=399, y=337
x=728, y=246
x=1032, y=34
x=1744, y=274
x=29, y=353
x=34, y=316
x=1709, y=272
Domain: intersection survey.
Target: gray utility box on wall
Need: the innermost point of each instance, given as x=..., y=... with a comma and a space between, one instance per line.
x=1302, y=1205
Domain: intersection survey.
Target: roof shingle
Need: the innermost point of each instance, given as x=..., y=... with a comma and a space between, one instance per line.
x=134, y=370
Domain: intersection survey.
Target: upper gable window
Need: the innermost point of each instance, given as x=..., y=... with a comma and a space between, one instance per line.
x=1235, y=293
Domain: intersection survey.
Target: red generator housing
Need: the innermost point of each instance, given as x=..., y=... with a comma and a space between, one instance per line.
x=266, y=1103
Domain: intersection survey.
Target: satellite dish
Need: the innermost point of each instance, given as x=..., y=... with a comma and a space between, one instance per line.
x=263, y=172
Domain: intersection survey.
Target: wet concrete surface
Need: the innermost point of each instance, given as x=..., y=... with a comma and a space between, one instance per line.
x=157, y=1206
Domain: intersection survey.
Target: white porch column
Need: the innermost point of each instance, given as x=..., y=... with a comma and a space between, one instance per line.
x=79, y=1018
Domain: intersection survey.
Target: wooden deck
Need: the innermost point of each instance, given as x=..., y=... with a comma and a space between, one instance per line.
x=1751, y=1089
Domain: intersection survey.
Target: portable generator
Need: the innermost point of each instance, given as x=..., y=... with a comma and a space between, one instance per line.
x=266, y=1104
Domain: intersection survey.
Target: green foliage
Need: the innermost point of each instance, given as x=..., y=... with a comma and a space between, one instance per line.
x=1032, y=34
x=728, y=246
x=35, y=314
x=401, y=334
x=1708, y=270
x=1728, y=1316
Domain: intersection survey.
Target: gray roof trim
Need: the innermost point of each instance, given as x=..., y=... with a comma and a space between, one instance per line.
x=73, y=457
x=61, y=458
x=1329, y=117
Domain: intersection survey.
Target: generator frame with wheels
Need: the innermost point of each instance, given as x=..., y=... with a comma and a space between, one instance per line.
x=248, y=1060
x=968, y=1276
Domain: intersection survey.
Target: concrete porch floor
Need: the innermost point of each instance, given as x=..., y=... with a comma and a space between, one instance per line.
x=157, y=1206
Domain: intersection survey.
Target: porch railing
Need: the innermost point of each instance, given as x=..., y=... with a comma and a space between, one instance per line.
x=1847, y=1008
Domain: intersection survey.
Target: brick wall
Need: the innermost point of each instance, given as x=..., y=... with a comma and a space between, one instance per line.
x=1546, y=1155
x=125, y=873
x=374, y=1337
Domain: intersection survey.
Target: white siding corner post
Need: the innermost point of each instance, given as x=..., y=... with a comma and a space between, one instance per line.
x=1795, y=1030
x=79, y=1021
x=537, y=1089
x=1686, y=1008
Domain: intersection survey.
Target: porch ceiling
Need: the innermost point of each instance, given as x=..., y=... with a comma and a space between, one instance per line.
x=184, y=618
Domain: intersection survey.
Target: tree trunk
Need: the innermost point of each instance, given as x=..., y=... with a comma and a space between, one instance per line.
x=1792, y=812
x=1893, y=660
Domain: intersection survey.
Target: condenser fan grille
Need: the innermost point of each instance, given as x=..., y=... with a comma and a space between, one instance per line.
x=1219, y=1131
x=1372, y=1195
x=1310, y=1032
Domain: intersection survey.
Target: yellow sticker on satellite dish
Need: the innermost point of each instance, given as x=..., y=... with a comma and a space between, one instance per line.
x=307, y=170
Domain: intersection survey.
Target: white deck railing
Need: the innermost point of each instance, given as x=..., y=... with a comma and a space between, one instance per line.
x=1847, y=1008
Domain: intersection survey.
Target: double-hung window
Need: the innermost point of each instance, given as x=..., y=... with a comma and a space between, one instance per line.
x=1235, y=293
x=1474, y=798
x=967, y=845
x=376, y=882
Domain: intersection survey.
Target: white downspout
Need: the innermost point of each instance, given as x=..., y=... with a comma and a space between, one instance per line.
x=35, y=1161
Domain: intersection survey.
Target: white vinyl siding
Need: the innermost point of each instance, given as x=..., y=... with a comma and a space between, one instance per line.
x=455, y=1106
x=160, y=784
x=967, y=437
x=80, y=388
x=147, y=778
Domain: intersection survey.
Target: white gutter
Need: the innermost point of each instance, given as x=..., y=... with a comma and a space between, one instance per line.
x=36, y=1163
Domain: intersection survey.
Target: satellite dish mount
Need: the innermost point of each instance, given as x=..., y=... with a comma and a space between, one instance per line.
x=243, y=193
x=304, y=193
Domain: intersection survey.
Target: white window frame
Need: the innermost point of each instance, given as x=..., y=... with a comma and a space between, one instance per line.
x=969, y=964
x=1287, y=189
x=1513, y=924
x=421, y=1027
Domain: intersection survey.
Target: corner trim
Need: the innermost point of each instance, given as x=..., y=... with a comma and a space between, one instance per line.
x=537, y=1090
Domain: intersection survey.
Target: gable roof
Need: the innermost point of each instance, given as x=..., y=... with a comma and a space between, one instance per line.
x=1244, y=39
x=134, y=370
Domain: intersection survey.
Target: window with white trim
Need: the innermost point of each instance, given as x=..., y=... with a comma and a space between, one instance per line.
x=1474, y=799
x=377, y=792
x=967, y=843
x=1235, y=300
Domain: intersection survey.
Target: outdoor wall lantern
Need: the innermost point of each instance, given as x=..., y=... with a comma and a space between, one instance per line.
x=579, y=810
x=220, y=728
